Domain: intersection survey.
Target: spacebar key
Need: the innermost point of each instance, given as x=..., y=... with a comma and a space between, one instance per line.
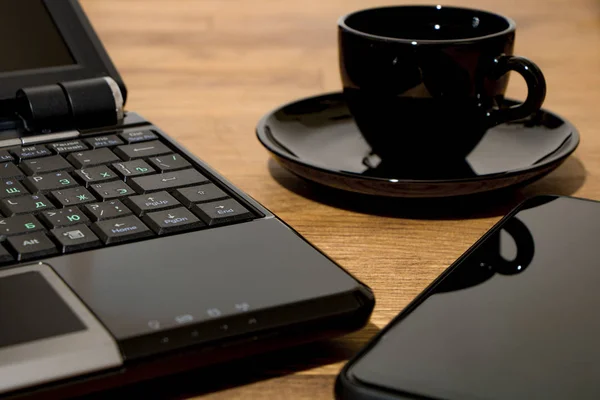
x=169, y=180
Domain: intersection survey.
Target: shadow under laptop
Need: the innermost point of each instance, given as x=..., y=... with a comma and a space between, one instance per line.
x=565, y=181
x=245, y=371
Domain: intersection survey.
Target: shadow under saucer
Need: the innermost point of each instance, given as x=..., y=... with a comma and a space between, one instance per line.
x=565, y=181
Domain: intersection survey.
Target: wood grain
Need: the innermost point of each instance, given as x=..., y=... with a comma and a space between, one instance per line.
x=207, y=70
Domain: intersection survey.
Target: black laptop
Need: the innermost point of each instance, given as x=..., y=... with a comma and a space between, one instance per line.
x=123, y=256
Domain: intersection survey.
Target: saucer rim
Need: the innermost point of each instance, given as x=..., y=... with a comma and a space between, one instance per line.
x=271, y=147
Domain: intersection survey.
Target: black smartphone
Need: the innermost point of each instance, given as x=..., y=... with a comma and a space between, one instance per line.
x=515, y=317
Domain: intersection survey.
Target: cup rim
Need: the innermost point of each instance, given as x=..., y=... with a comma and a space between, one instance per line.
x=342, y=24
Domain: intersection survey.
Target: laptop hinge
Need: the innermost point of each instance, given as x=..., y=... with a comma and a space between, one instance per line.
x=72, y=105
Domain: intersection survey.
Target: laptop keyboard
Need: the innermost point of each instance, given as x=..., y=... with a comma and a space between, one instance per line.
x=87, y=193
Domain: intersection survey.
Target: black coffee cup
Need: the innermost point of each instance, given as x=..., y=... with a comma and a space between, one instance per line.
x=424, y=83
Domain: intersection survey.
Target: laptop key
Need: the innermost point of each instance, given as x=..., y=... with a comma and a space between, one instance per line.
x=68, y=147
x=5, y=156
x=151, y=202
x=25, y=204
x=198, y=194
x=11, y=188
x=138, y=136
x=169, y=162
x=84, y=159
x=23, y=153
x=132, y=168
x=48, y=182
x=140, y=150
x=19, y=225
x=64, y=217
x=95, y=175
x=104, y=141
x=111, y=190
x=106, y=210
x=44, y=165
x=9, y=170
x=175, y=220
x=32, y=245
x=121, y=229
x=168, y=180
x=85, y=178
x=73, y=197
x=74, y=238
x=5, y=256
x=222, y=211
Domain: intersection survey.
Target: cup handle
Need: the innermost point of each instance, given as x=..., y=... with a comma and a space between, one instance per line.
x=525, y=248
x=536, y=88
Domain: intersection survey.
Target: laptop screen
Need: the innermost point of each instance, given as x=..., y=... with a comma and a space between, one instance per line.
x=26, y=24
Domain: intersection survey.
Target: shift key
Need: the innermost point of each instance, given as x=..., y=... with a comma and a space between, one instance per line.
x=166, y=181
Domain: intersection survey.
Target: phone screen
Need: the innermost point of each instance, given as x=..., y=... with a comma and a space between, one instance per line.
x=517, y=318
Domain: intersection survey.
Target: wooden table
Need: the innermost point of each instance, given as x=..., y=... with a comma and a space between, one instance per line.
x=207, y=70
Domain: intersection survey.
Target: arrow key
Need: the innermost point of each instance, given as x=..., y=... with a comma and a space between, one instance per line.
x=175, y=220
x=150, y=202
x=222, y=211
x=121, y=230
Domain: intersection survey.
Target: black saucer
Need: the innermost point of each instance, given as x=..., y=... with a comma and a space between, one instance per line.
x=317, y=139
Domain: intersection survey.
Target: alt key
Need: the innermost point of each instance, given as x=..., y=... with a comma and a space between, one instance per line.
x=32, y=245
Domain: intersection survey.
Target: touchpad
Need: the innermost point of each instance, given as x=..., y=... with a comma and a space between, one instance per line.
x=46, y=332
x=31, y=310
